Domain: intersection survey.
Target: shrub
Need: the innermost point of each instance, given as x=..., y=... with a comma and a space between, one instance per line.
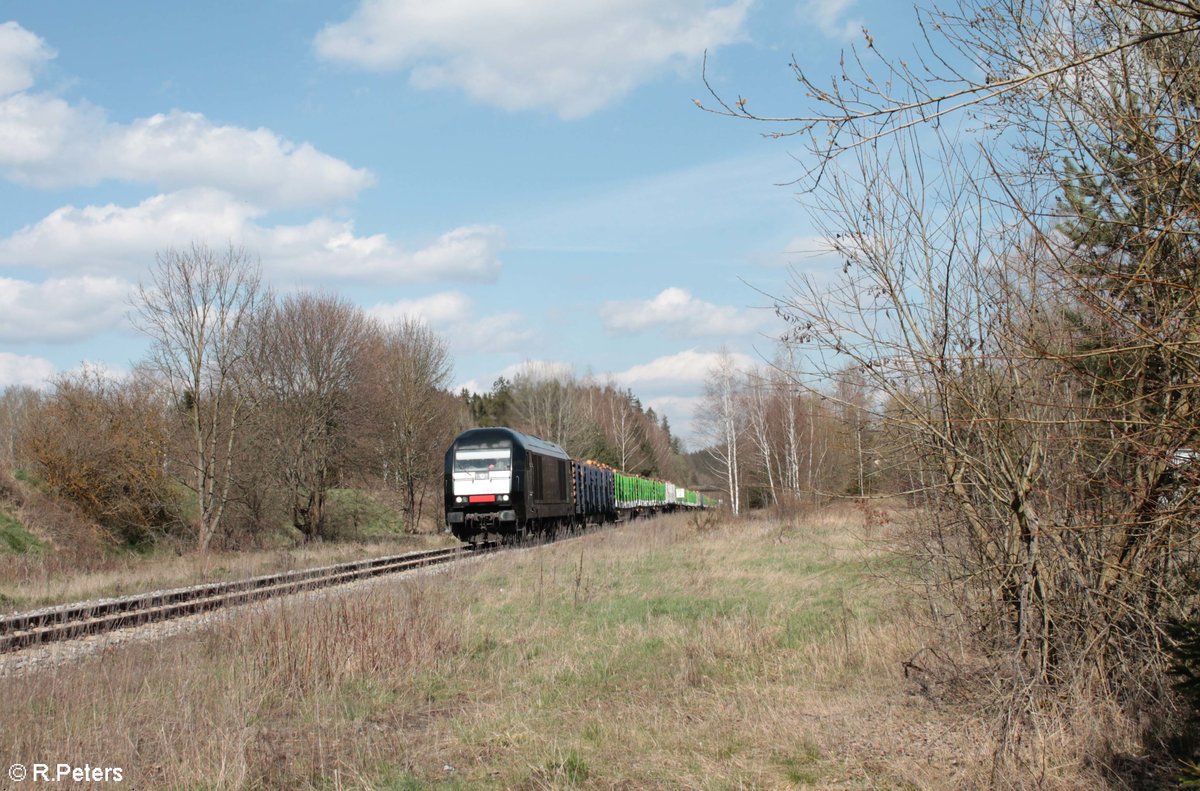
x=100, y=445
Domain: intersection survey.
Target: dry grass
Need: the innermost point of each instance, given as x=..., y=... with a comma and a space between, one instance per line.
x=36, y=579
x=666, y=654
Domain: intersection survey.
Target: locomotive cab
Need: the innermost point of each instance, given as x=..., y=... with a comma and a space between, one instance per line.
x=483, y=474
x=499, y=482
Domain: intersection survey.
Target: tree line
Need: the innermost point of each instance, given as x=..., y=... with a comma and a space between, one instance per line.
x=250, y=408
x=772, y=442
x=589, y=419
x=763, y=441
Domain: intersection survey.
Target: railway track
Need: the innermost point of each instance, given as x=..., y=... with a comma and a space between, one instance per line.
x=70, y=621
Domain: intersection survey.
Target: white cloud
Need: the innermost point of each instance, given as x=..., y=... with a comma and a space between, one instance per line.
x=436, y=310
x=471, y=386
x=689, y=367
x=497, y=332
x=829, y=16
x=683, y=406
x=23, y=370
x=538, y=370
x=21, y=52
x=467, y=329
x=573, y=58
x=324, y=248
x=115, y=238
x=118, y=238
x=680, y=314
x=41, y=135
x=675, y=382
x=46, y=142
x=681, y=411
x=61, y=309
x=180, y=149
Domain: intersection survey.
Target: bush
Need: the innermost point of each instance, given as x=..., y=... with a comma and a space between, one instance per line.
x=100, y=444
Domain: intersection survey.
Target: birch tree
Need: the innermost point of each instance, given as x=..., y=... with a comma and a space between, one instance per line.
x=758, y=406
x=626, y=430
x=791, y=431
x=721, y=422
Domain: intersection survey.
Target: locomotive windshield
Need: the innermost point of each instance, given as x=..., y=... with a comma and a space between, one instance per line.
x=482, y=460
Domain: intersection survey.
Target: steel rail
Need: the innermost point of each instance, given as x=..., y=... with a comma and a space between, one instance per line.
x=70, y=621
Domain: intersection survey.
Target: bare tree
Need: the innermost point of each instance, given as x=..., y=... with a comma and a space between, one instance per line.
x=410, y=419
x=627, y=430
x=18, y=405
x=197, y=310
x=1019, y=288
x=308, y=356
x=780, y=386
x=547, y=404
x=758, y=403
x=852, y=394
x=720, y=422
x=801, y=415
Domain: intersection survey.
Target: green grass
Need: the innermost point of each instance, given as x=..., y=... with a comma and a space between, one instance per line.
x=28, y=477
x=14, y=538
x=400, y=779
x=355, y=514
x=665, y=624
x=801, y=766
x=567, y=767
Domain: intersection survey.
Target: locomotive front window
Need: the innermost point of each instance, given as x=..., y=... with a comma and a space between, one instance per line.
x=483, y=460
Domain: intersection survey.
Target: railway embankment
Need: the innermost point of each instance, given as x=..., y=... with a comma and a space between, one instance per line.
x=668, y=653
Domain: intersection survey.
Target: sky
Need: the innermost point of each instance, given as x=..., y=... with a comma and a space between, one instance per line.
x=530, y=177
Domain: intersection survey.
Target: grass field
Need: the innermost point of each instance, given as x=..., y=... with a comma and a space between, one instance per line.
x=664, y=654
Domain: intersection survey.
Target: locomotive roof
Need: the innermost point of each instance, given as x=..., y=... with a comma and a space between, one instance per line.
x=519, y=440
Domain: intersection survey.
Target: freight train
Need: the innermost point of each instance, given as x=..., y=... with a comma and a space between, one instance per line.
x=501, y=484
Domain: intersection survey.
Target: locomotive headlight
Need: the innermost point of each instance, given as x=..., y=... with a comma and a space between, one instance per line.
x=504, y=497
x=460, y=499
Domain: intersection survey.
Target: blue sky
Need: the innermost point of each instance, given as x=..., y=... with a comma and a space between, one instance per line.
x=530, y=176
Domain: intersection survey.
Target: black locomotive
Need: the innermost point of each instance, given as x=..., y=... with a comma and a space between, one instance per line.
x=501, y=483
